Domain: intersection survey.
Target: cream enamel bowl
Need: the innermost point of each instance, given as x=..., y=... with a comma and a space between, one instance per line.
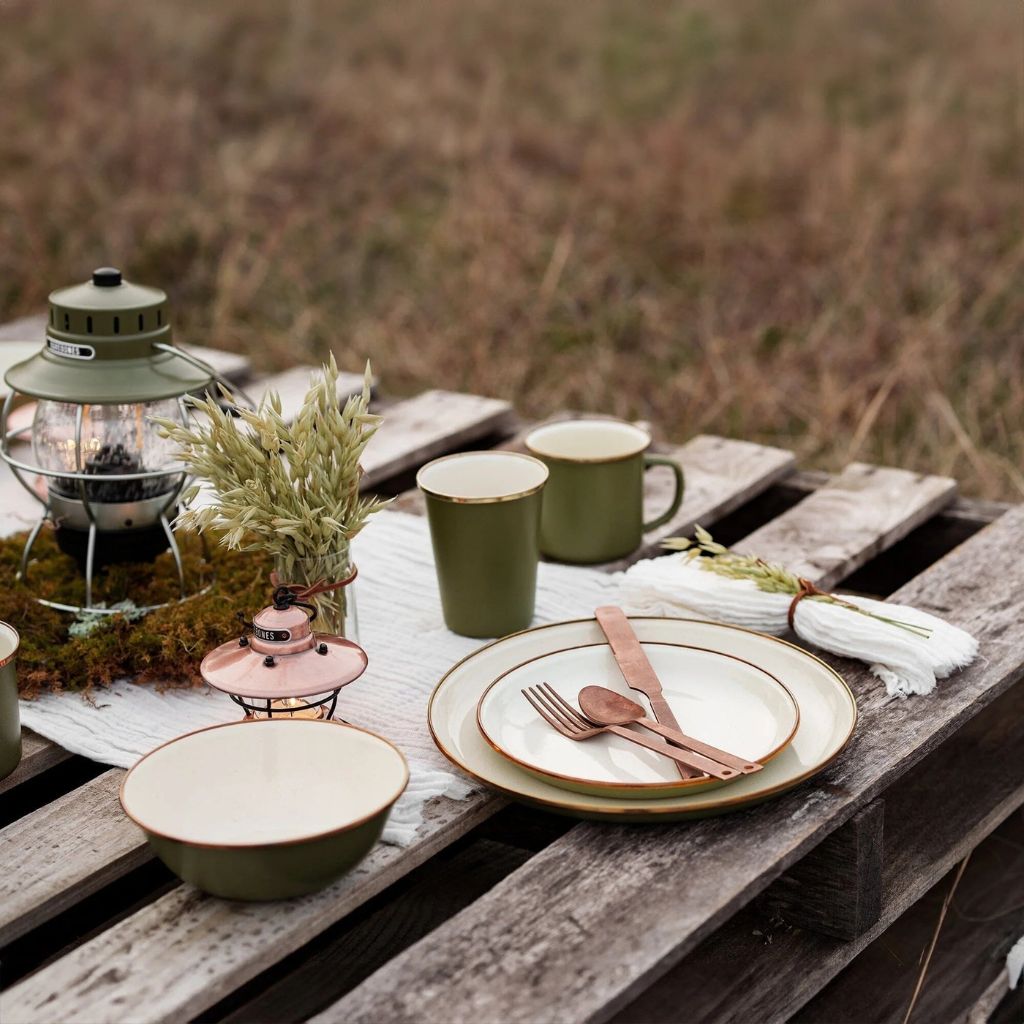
x=265, y=809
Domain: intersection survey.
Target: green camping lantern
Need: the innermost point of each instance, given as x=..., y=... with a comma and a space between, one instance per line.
x=107, y=480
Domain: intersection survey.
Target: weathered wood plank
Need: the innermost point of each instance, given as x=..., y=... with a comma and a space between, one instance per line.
x=754, y=968
x=876, y=505
x=557, y=939
x=37, y=755
x=67, y=864
x=837, y=888
x=438, y=422
x=145, y=967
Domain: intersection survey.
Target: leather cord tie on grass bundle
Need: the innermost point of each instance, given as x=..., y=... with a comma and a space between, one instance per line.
x=807, y=589
x=302, y=592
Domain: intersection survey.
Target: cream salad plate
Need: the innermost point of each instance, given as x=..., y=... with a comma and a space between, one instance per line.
x=722, y=699
x=828, y=714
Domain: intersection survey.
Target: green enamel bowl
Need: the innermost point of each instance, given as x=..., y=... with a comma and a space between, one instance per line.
x=10, y=721
x=265, y=809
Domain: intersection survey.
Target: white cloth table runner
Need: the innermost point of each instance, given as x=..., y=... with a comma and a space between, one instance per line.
x=409, y=648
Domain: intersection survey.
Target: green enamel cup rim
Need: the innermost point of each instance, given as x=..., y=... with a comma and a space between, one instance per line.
x=6, y=659
x=453, y=500
x=589, y=460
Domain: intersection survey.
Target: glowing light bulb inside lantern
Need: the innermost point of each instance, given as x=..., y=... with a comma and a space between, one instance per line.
x=291, y=707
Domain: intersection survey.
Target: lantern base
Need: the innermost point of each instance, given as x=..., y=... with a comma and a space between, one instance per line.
x=114, y=548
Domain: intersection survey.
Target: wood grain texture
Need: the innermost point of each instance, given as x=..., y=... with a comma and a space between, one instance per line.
x=755, y=968
x=558, y=940
x=436, y=422
x=37, y=755
x=873, y=506
x=64, y=851
x=837, y=888
x=186, y=951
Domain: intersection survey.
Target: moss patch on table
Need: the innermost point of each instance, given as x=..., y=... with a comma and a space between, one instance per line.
x=164, y=647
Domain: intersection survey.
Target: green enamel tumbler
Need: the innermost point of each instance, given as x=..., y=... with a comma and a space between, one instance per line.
x=10, y=720
x=484, y=511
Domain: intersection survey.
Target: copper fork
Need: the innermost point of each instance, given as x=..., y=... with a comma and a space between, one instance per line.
x=564, y=718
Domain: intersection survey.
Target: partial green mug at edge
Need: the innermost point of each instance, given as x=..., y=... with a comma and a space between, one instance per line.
x=10, y=718
x=593, y=502
x=484, y=511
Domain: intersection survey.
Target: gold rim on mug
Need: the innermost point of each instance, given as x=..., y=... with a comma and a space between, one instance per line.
x=679, y=786
x=247, y=722
x=625, y=809
x=580, y=460
x=8, y=658
x=481, y=501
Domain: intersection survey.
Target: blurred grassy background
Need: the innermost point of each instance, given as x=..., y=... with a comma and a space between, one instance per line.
x=797, y=222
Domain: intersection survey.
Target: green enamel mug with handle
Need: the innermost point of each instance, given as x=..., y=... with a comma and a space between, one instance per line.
x=10, y=720
x=593, y=501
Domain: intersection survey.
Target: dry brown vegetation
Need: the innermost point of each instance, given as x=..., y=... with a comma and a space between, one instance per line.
x=798, y=222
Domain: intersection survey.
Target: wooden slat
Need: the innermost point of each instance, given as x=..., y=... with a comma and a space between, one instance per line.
x=440, y=422
x=755, y=969
x=265, y=934
x=837, y=888
x=186, y=951
x=37, y=755
x=67, y=864
x=876, y=507
x=593, y=919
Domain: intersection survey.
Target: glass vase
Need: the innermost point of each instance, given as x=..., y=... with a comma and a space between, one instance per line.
x=336, y=608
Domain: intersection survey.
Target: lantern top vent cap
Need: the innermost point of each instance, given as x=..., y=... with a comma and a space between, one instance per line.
x=107, y=292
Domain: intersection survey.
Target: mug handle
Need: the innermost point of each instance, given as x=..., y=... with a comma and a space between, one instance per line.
x=677, y=498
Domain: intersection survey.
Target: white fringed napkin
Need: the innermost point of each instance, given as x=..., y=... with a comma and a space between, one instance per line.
x=906, y=661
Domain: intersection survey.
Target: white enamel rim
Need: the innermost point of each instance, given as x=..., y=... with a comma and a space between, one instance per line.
x=479, y=478
x=393, y=793
x=485, y=765
x=588, y=440
x=10, y=641
x=786, y=729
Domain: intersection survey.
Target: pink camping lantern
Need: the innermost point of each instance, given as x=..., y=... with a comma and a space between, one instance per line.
x=280, y=667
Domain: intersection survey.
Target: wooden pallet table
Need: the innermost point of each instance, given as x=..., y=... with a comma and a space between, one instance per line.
x=497, y=913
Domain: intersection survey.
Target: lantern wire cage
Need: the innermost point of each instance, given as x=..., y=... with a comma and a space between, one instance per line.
x=83, y=480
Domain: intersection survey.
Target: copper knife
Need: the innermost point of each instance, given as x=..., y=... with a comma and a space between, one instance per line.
x=636, y=668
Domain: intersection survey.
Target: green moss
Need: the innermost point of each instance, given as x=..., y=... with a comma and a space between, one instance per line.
x=165, y=646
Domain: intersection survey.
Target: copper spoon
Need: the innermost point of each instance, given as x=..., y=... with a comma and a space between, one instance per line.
x=606, y=707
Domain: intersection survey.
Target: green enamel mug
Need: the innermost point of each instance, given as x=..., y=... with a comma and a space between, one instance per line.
x=593, y=502
x=10, y=720
x=484, y=511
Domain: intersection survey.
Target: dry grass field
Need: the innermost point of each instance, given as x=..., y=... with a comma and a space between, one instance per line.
x=793, y=221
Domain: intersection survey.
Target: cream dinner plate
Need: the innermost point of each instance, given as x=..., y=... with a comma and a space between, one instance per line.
x=717, y=697
x=828, y=714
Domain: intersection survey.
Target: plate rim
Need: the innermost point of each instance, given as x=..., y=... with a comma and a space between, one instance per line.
x=679, y=786
x=622, y=808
